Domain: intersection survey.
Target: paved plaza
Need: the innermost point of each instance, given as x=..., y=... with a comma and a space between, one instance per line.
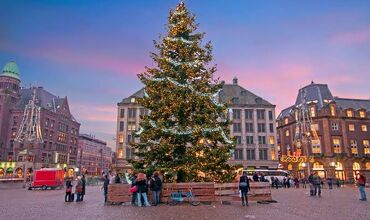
x=340, y=203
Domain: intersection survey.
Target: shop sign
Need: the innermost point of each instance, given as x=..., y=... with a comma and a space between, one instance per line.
x=296, y=159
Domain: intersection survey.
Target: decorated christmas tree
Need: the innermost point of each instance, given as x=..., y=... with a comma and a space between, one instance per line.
x=186, y=133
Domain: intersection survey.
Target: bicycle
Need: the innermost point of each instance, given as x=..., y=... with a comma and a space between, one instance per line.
x=178, y=197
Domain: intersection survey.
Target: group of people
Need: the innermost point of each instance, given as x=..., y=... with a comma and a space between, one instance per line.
x=79, y=191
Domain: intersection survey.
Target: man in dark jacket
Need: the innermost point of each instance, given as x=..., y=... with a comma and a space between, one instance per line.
x=105, y=187
x=83, y=179
x=244, y=188
x=156, y=187
x=255, y=177
x=316, y=184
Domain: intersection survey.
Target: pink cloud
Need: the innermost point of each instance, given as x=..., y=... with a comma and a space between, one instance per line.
x=352, y=38
x=91, y=112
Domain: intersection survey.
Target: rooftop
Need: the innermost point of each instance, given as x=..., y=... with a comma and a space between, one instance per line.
x=11, y=70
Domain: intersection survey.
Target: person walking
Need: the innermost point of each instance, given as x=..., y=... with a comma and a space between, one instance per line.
x=330, y=183
x=67, y=197
x=310, y=183
x=244, y=188
x=133, y=183
x=361, y=182
x=105, y=188
x=78, y=189
x=117, y=179
x=156, y=187
x=276, y=180
x=284, y=182
x=83, y=179
x=317, y=184
x=142, y=188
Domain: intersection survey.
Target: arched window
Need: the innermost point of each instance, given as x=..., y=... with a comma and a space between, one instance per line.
x=290, y=166
x=19, y=172
x=1, y=172
x=367, y=165
x=338, y=166
x=356, y=166
x=318, y=166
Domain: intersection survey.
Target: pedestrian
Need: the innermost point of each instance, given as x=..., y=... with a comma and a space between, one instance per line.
x=330, y=183
x=276, y=183
x=67, y=197
x=338, y=183
x=244, y=188
x=284, y=182
x=83, y=188
x=288, y=182
x=133, y=183
x=322, y=184
x=78, y=189
x=361, y=182
x=310, y=182
x=156, y=187
x=117, y=179
x=317, y=184
x=105, y=188
x=272, y=182
x=142, y=188
x=255, y=177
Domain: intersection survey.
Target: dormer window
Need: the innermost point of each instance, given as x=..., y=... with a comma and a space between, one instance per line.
x=235, y=100
x=286, y=121
x=312, y=111
x=362, y=114
x=332, y=110
x=133, y=100
x=349, y=113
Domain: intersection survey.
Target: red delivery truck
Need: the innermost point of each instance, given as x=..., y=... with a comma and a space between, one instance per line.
x=48, y=178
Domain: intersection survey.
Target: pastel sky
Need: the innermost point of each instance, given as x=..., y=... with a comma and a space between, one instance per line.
x=92, y=50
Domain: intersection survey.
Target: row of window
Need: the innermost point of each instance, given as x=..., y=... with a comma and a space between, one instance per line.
x=249, y=114
x=249, y=140
x=251, y=154
x=8, y=85
x=334, y=127
x=132, y=112
x=249, y=127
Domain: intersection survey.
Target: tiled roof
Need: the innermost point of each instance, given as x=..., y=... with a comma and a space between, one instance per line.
x=230, y=93
x=355, y=104
x=314, y=93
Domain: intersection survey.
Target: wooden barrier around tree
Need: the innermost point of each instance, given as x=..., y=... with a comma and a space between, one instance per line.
x=204, y=192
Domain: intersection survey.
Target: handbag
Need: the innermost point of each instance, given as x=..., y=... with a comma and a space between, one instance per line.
x=243, y=184
x=78, y=189
x=69, y=190
x=133, y=189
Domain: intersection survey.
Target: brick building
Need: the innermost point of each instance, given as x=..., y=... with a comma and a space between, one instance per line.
x=59, y=128
x=253, y=126
x=94, y=156
x=339, y=130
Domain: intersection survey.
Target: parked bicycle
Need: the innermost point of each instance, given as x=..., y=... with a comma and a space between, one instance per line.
x=178, y=197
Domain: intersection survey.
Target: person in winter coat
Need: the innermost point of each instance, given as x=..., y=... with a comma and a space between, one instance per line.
x=317, y=184
x=244, y=188
x=83, y=179
x=78, y=189
x=361, y=182
x=142, y=188
x=133, y=183
x=156, y=187
x=105, y=188
x=68, y=190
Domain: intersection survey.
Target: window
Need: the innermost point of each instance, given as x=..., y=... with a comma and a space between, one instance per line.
x=236, y=113
x=131, y=126
x=130, y=139
x=313, y=111
x=248, y=114
x=271, y=128
x=286, y=121
x=271, y=140
x=349, y=113
x=273, y=157
x=334, y=126
x=362, y=114
x=121, y=125
x=363, y=128
x=288, y=149
x=251, y=154
x=122, y=113
x=238, y=140
x=336, y=146
x=354, y=149
x=351, y=127
x=270, y=116
x=249, y=127
x=238, y=154
x=261, y=127
x=286, y=133
x=143, y=111
x=261, y=140
x=366, y=146
x=260, y=114
x=263, y=154
x=332, y=110
x=237, y=127
x=132, y=112
x=249, y=140
x=15, y=121
x=316, y=146
x=133, y=100
x=120, y=139
x=128, y=153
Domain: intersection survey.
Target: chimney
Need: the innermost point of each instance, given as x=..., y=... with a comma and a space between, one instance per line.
x=235, y=81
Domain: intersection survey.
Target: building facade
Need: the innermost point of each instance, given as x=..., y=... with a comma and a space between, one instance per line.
x=339, y=136
x=94, y=156
x=253, y=126
x=59, y=129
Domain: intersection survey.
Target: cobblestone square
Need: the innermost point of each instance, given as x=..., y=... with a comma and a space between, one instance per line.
x=340, y=203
